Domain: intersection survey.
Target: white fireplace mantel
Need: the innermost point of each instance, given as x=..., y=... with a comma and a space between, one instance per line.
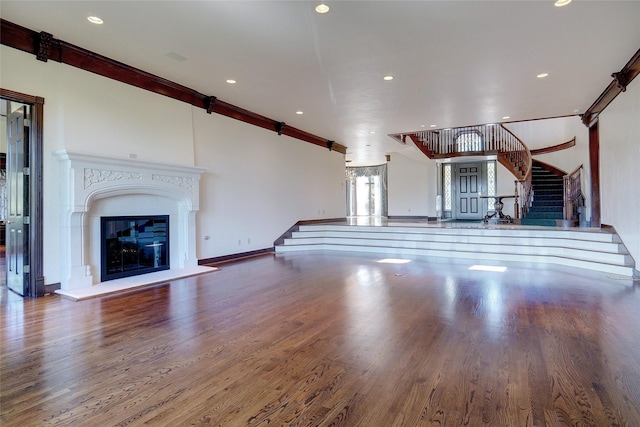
x=91, y=182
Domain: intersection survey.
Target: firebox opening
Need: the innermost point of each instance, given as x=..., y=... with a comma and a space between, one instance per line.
x=133, y=245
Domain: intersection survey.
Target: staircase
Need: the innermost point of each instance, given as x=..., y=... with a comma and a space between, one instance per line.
x=481, y=140
x=592, y=249
x=548, y=202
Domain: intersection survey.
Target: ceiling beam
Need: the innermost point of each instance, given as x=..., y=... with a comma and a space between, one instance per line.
x=46, y=48
x=619, y=84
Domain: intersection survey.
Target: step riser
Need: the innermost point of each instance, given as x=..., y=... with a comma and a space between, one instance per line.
x=547, y=193
x=543, y=215
x=545, y=209
x=592, y=250
x=462, y=239
x=547, y=203
x=605, y=268
x=497, y=249
x=483, y=232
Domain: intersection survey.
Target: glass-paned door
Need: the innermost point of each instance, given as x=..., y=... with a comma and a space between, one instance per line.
x=17, y=228
x=367, y=191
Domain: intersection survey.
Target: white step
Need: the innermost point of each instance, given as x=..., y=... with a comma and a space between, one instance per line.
x=502, y=249
x=543, y=232
x=557, y=242
x=591, y=249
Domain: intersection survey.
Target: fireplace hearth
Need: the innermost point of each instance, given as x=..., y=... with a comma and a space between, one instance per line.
x=132, y=245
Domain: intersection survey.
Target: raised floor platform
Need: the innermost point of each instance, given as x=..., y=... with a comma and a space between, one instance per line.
x=588, y=248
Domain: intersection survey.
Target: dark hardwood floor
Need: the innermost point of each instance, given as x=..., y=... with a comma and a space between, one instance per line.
x=331, y=339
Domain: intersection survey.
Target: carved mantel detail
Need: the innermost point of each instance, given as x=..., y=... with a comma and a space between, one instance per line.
x=181, y=181
x=94, y=176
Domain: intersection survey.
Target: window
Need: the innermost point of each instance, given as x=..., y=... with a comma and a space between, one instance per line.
x=469, y=141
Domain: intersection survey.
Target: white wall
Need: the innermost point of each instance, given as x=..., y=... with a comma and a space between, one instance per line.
x=108, y=118
x=619, y=126
x=21, y=72
x=258, y=183
x=412, y=187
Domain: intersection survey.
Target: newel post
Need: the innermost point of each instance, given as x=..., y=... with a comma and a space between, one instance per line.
x=516, y=205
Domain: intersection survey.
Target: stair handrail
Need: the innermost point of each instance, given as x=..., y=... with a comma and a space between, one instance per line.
x=489, y=139
x=573, y=196
x=524, y=185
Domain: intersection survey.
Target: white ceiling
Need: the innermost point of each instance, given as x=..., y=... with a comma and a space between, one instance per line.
x=454, y=63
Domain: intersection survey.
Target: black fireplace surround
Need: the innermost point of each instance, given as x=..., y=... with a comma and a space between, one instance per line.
x=132, y=245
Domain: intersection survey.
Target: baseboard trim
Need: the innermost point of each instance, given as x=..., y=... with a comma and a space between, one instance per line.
x=210, y=262
x=412, y=217
x=295, y=227
x=50, y=289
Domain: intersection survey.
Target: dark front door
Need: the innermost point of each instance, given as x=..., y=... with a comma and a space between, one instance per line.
x=469, y=181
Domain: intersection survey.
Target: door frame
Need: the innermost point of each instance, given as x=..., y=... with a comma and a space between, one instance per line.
x=448, y=193
x=35, y=287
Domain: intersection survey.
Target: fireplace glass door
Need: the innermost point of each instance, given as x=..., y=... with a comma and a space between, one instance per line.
x=133, y=245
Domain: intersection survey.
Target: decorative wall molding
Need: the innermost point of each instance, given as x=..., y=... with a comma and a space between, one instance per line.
x=95, y=176
x=44, y=46
x=180, y=181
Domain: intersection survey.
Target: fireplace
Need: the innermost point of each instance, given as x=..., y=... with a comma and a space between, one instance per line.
x=132, y=245
x=96, y=187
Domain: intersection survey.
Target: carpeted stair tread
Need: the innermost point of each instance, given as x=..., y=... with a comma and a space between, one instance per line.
x=552, y=208
x=544, y=215
x=548, y=198
x=547, y=202
x=541, y=222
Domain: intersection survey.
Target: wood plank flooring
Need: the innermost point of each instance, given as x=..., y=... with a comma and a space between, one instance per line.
x=324, y=339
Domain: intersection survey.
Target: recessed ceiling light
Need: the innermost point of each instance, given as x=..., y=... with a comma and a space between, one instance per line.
x=372, y=132
x=231, y=81
x=506, y=117
x=95, y=20
x=322, y=8
x=542, y=75
x=560, y=3
x=432, y=126
x=299, y=113
x=387, y=78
